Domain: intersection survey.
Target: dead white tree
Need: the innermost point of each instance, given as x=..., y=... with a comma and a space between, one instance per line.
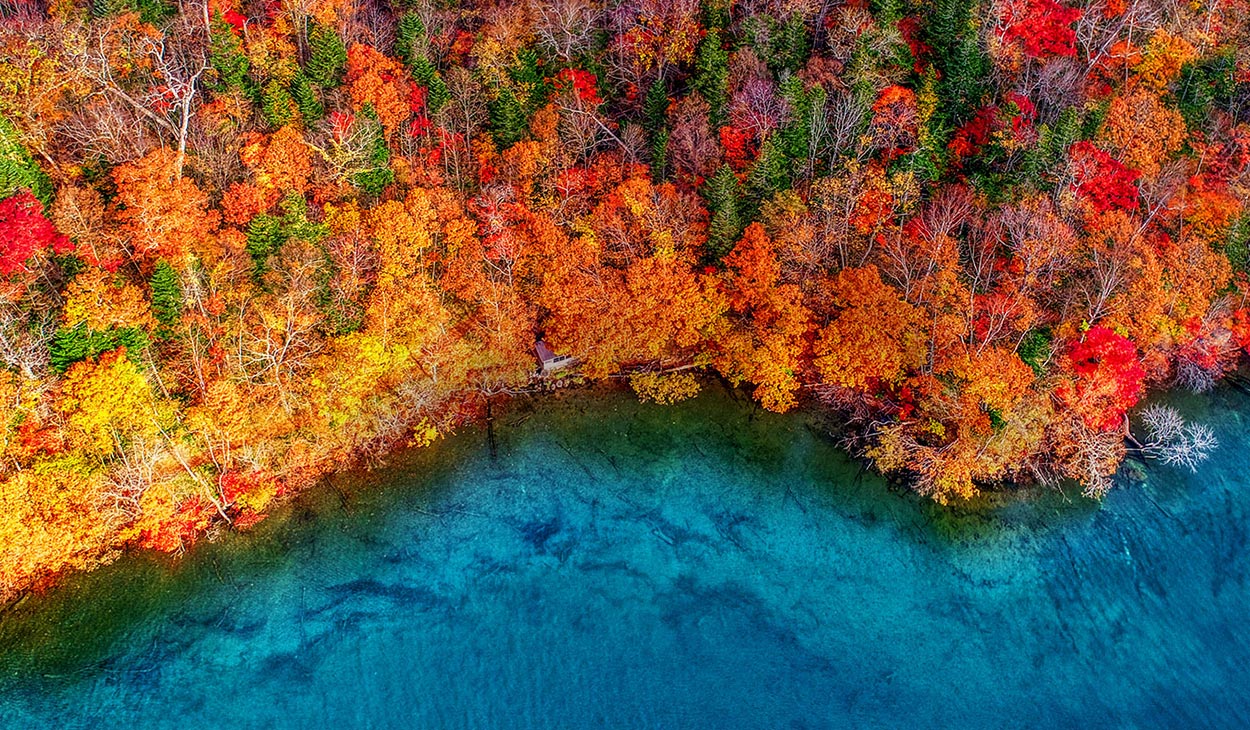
x=1173, y=440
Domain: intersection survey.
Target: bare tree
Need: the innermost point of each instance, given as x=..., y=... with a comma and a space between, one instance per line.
x=566, y=28
x=1173, y=440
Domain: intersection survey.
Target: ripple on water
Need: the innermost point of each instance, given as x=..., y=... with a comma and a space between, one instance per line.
x=625, y=565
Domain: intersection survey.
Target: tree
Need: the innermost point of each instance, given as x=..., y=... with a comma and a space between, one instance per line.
x=327, y=57
x=711, y=78
x=875, y=338
x=162, y=215
x=18, y=169
x=227, y=56
x=107, y=401
x=166, y=297
x=724, y=200
x=24, y=232
x=1107, y=378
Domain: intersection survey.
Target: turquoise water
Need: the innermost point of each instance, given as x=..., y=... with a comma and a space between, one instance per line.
x=700, y=566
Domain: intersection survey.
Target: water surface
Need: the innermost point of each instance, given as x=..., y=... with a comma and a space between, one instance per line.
x=699, y=566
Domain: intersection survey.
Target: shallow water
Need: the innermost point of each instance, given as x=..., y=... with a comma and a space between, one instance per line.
x=626, y=565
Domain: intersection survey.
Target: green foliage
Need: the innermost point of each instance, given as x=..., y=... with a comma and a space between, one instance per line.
x=374, y=180
x=73, y=344
x=154, y=12
x=716, y=13
x=951, y=28
x=264, y=238
x=226, y=56
x=1091, y=125
x=659, y=155
x=277, y=106
x=427, y=75
x=412, y=47
x=796, y=135
x=1034, y=350
x=788, y=44
x=1052, y=146
x=327, y=57
x=655, y=123
x=723, y=196
x=305, y=98
x=1237, y=249
x=409, y=35
x=508, y=120
x=18, y=170
x=1205, y=85
x=771, y=171
x=711, y=75
x=267, y=234
x=166, y=297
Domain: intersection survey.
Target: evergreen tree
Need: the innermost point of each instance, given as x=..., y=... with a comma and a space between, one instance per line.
x=374, y=180
x=929, y=159
x=654, y=122
x=711, y=75
x=427, y=75
x=724, y=200
x=409, y=34
x=265, y=238
x=796, y=135
x=77, y=343
x=964, y=67
x=277, y=106
x=771, y=171
x=507, y=118
x=789, y=45
x=412, y=46
x=327, y=57
x=226, y=56
x=1053, y=141
x=18, y=169
x=166, y=297
x=305, y=97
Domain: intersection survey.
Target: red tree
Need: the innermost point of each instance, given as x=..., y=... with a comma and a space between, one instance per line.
x=24, y=230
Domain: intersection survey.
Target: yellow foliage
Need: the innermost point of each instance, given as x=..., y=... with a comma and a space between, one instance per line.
x=103, y=300
x=1163, y=59
x=106, y=401
x=664, y=389
x=52, y=518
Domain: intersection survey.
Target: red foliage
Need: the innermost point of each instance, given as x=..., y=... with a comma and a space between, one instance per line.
x=236, y=19
x=341, y=125
x=193, y=517
x=1042, y=27
x=1103, y=180
x=1109, y=378
x=909, y=28
x=24, y=230
x=583, y=83
x=420, y=123
x=739, y=146
x=972, y=136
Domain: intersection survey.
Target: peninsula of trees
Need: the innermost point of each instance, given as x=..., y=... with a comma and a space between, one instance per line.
x=244, y=242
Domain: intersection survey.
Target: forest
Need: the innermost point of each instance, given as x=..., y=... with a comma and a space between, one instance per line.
x=244, y=243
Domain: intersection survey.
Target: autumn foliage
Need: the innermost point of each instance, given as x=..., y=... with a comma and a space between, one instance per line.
x=241, y=250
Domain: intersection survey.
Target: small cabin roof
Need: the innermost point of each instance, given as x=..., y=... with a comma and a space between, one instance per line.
x=545, y=353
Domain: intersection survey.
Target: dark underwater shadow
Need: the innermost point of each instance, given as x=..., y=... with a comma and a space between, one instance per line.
x=102, y=621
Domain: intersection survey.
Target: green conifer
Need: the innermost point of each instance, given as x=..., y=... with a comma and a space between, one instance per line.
x=166, y=297
x=711, y=75
x=724, y=199
x=327, y=57
x=277, y=106
x=507, y=118
x=305, y=97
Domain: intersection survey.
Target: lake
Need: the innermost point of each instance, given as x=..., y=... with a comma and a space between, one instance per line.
x=705, y=565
